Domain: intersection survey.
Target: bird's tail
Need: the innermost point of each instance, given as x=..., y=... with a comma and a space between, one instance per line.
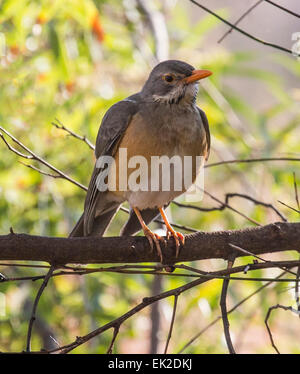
x=100, y=224
x=78, y=229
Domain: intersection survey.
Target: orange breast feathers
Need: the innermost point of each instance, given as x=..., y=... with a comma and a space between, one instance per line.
x=140, y=139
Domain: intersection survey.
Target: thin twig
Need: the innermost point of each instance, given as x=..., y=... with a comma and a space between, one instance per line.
x=148, y=301
x=278, y=306
x=222, y=274
x=40, y=171
x=256, y=202
x=33, y=156
x=240, y=19
x=115, y=334
x=223, y=306
x=118, y=321
x=250, y=160
x=59, y=125
x=35, y=305
x=296, y=190
x=231, y=208
x=259, y=258
x=216, y=320
x=171, y=324
x=261, y=41
x=283, y=8
x=228, y=196
x=24, y=265
x=288, y=206
x=186, y=267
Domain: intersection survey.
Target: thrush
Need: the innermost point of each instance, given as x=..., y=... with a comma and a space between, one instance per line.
x=161, y=120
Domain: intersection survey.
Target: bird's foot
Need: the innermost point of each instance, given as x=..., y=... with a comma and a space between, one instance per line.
x=178, y=237
x=155, y=239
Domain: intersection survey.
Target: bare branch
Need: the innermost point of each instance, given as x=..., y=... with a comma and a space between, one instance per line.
x=25, y=265
x=59, y=125
x=249, y=10
x=224, y=308
x=171, y=324
x=278, y=306
x=118, y=321
x=115, y=334
x=14, y=150
x=283, y=8
x=177, y=291
x=40, y=171
x=216, y=320
x=33, y=156
x=250, y=160
x=228, y=196
x=296, y=191
x=35, y=305
x=259, y=258
x=145, y=302
x=275, y=237
x=261, y=41
x=194, y=273
x=256, y=202
x=231, y=208
x=288, y=206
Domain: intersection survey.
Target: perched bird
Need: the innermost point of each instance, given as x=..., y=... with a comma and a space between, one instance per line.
x=162, y=119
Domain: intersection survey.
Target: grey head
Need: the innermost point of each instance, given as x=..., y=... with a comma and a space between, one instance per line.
x=173, y=82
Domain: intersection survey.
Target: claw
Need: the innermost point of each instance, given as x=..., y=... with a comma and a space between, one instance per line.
x=178, y=237
x=154, y=238
x=151, y=236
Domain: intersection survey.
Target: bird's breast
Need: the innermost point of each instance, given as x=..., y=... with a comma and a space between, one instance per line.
x=163, y=158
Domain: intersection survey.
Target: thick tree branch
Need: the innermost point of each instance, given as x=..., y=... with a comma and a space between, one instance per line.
x=275, y=237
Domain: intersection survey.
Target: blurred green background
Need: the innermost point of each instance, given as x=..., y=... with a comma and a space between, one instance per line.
x=72, y=60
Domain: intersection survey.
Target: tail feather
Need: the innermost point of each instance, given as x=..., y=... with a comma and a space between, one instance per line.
x=78, y=229
x=100, y=224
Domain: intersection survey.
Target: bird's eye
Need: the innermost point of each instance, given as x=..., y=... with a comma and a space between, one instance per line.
x=168, y=78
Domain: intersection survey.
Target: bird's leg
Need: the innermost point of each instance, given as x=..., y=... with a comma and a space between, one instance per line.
x=151, y=236
x=179, y=238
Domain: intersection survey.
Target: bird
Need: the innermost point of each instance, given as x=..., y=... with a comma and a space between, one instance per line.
x=162, y=119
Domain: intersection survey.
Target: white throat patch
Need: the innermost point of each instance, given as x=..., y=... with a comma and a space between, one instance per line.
x=185, y=94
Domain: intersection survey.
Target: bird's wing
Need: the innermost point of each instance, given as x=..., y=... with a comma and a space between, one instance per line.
x=112, y=129
x=206, y=128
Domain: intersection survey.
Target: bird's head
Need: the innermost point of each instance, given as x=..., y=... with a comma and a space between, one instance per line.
x=173, y=82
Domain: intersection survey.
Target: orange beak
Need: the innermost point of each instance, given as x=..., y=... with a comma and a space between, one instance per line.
x=197, y=75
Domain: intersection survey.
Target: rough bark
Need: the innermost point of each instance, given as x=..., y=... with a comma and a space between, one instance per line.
x=274, y=237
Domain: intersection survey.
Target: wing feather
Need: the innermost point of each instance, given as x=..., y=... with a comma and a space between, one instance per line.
x=112, y=129
x=206, y=128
